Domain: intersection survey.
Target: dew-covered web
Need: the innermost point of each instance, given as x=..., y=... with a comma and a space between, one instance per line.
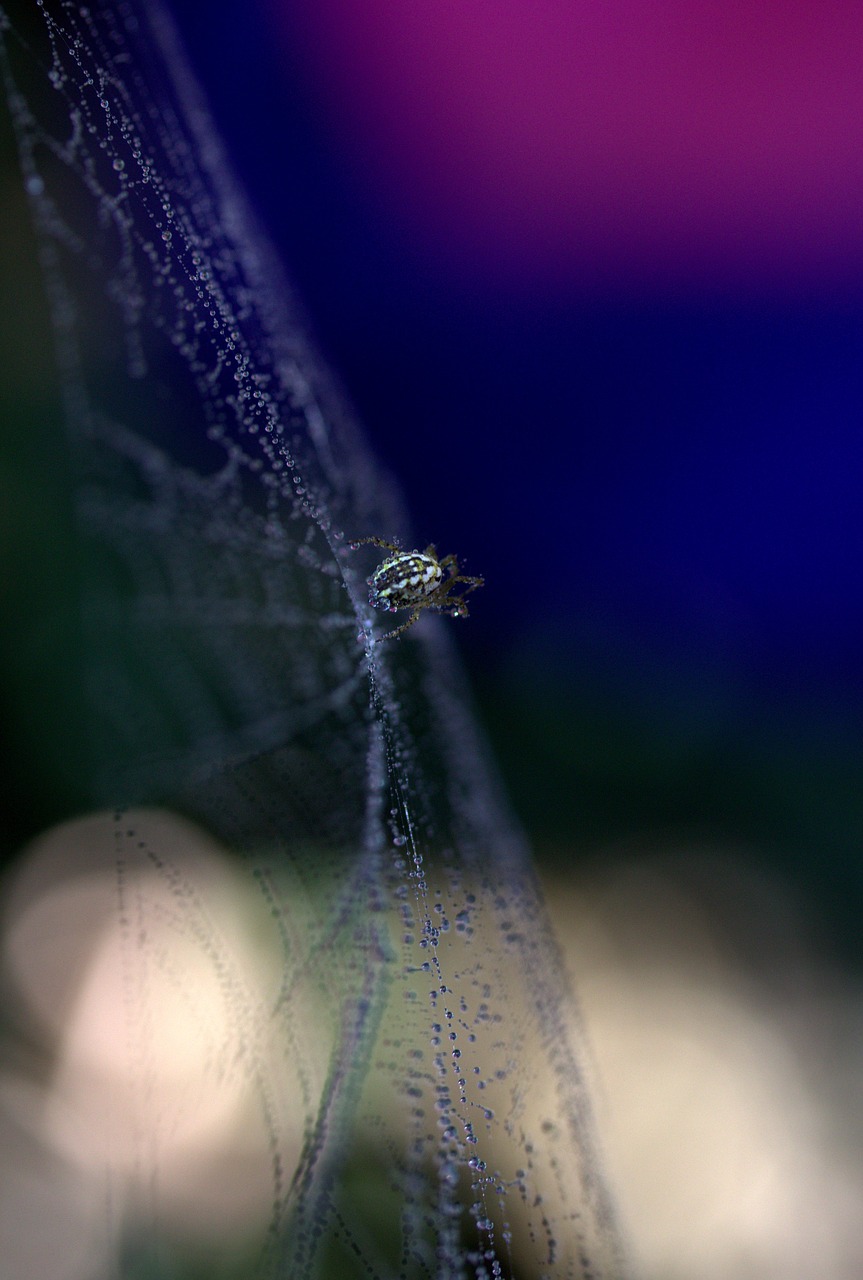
x=421, y=1090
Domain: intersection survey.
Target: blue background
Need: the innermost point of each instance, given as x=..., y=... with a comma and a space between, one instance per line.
x=663, y=495
x=661, y=487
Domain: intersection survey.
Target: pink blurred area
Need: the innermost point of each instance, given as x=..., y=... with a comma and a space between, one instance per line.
x=663, y=142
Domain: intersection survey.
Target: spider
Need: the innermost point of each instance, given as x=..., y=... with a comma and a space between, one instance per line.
x=415, y=580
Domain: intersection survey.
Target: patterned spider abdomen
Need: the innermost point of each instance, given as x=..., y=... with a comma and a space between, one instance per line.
x=403, y=580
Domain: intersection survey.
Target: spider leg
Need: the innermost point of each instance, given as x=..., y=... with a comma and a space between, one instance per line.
x=452, y=608
x=447, y=585
x=377, y=542
x=443, y=602
x=398, y=631
x=450, y=562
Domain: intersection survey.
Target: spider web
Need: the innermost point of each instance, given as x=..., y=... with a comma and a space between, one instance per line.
x=232, y=677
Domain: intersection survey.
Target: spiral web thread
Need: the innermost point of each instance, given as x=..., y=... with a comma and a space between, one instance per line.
x=434, y=1059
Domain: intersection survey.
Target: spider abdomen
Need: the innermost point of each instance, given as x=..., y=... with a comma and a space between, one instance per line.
x=403, y=580
x=417, y=580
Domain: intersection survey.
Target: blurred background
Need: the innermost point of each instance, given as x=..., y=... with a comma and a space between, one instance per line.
x=592, y=276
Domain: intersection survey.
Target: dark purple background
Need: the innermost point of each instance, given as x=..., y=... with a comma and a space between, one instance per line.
x=617, y=368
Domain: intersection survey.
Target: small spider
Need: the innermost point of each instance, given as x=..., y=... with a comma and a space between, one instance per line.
x=415, y=580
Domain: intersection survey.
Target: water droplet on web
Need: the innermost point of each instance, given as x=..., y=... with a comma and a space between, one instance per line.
x=224, y=653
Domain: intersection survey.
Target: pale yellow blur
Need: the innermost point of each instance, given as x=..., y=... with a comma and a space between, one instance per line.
x=156, y=1064
x=150, y=1080
x=731, y=1068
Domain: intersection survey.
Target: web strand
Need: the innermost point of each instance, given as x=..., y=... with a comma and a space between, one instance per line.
x=441, y=1123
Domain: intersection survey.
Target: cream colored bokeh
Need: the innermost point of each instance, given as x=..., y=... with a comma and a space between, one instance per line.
x=731, y=1133
x=148, y=971
x=158, y=1067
